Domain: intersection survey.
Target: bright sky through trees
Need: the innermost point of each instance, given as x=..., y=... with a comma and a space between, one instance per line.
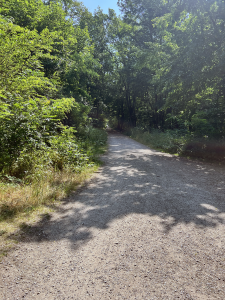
x=105, y=5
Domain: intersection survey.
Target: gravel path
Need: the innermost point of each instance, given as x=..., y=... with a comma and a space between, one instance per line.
x=148, y=226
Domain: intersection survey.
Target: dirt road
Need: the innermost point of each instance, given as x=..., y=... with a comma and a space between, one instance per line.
x=148, y=226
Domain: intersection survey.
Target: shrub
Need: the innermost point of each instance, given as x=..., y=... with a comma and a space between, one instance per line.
x=171, y=141
x=94, y=141
x=64, y=152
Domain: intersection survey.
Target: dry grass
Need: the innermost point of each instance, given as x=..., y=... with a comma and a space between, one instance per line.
x=21, y=204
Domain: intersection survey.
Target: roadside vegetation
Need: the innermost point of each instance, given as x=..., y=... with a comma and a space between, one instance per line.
x=50, y=139
x=181, y=143
x=171, y=141
x=35, y=183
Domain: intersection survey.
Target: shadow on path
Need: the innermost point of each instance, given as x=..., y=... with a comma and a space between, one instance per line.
x=137, y=180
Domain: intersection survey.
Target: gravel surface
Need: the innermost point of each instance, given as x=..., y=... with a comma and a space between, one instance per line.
x=149, y=225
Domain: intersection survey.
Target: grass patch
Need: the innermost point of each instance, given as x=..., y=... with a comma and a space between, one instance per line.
x=53, y=186
x=22, y=204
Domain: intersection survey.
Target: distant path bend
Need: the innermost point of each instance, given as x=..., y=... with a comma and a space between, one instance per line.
x=149, y=225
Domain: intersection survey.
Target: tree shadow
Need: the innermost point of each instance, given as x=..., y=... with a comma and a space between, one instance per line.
x=137, y=180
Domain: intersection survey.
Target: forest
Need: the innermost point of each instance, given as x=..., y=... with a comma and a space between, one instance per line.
x=155, y=73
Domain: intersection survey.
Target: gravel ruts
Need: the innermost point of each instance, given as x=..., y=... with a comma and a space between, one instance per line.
x=147, y=226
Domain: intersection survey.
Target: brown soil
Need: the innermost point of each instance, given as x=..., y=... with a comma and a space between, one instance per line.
x=149, y=225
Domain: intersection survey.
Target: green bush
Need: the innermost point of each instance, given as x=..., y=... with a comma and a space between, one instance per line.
x=70, y=153
x=64, y=151
x=201, y=126
x=94, y=141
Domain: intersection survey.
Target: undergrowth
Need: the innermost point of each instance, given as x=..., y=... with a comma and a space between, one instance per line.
x=38, y=179
x=182, y=143
x=171, y=141
x=53, y=185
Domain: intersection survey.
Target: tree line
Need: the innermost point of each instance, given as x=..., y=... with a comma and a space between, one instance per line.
x=160, y=64
x=173, y=74
x=64, y=70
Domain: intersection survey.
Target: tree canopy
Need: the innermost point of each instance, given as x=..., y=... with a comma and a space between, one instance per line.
x=159, y=65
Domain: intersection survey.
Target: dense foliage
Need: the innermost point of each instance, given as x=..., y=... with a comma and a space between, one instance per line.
x=46, y=64
x=173, y=72
x=160, y=65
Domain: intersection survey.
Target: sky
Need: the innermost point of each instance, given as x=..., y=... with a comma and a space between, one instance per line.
x=104, y=5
